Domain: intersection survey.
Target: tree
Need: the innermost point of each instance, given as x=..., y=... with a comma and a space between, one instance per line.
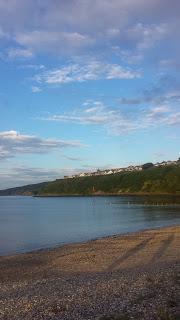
x=147, y=165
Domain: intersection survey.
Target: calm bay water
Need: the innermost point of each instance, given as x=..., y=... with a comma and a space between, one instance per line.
x=28, y=223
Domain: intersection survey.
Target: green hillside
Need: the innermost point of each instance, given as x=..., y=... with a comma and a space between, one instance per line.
x=153, y=180
x=30, y=189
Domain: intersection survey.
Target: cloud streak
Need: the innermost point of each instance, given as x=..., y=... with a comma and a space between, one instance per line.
x=116, y=122
x=22, y=175
x=94, y=70
x=153, y=98
x=13, y=143
x=19, y=53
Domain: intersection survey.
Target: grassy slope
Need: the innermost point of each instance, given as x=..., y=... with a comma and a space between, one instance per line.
x=25, y=190
x=154, y=180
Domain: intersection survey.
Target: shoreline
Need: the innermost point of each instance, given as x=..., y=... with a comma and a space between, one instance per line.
x=103, y=194
x=97, y=194
x=87, y=242
x=135, y=275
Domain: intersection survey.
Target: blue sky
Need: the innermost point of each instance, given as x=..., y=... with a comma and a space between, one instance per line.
x=87, y=84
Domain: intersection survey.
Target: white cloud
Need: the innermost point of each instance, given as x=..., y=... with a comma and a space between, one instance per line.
x=32, y=66
x=36, y=89
x=116, y=122
x=19, y=53
x=146, y=36
x=67, y=27
x=159, y=110
x=94, y=70
x=13, y=143
x=54, y=41
x=172, y=119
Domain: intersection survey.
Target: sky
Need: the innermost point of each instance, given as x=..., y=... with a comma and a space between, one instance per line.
x=87, y=84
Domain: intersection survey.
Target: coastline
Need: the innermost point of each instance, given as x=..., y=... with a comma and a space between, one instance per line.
x=103, y=194
x=91, y=277
x=59, y=246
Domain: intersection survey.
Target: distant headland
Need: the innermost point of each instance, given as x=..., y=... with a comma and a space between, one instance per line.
x=159, y=178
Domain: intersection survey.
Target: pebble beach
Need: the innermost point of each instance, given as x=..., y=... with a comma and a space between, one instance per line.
x=131, y=276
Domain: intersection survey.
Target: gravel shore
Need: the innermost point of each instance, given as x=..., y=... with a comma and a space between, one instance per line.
x=133, y=276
